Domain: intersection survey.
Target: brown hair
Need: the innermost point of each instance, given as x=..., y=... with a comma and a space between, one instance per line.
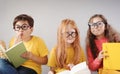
x=23, y=17
x=110, y=34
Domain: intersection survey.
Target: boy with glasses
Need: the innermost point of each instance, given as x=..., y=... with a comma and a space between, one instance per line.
x=37, y=51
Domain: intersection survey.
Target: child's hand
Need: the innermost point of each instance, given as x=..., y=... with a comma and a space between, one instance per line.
x=18, y=38
x=50, y=72
x=102, y=54
x=27, y=55
x=2, y=55
x=70, y=66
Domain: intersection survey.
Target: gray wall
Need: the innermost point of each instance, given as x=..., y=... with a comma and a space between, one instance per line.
x=49, y=13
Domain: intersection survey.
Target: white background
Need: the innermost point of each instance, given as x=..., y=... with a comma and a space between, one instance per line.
x=48, y=14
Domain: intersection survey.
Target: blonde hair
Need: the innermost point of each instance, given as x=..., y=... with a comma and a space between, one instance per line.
x=61, y=45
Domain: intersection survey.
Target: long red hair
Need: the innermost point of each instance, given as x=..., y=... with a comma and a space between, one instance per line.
x=61, y=45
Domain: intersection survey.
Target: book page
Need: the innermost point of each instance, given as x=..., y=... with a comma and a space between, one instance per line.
x=113, y=51
x=83, y=71
x=14, y=54
x=64, y=72
x=13, y=46
x=80, y=68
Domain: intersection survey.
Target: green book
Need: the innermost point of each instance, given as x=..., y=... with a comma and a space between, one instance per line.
x=13, y=54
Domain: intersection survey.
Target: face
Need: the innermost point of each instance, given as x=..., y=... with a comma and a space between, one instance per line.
x=69, y=35
x=97, y=26
x=23, y=29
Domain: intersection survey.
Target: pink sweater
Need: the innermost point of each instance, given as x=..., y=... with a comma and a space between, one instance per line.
x=95, y=64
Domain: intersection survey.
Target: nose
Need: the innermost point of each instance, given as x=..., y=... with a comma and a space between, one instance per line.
x=96, y=26
x=20, y=29
x=70, y=37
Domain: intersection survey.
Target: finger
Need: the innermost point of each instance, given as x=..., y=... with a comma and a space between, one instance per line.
x=101, y=52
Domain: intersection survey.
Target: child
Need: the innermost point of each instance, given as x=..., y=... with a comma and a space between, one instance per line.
x=68, y=51
x=37, y=50
x=99, y=32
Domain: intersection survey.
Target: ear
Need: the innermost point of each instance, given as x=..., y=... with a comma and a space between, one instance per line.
x=31, y=29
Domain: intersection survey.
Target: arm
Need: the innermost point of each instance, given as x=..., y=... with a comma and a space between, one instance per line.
x=2, y=43
x=93, y=64
x=37, y=59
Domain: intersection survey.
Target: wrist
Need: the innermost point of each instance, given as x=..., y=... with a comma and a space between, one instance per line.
x=30, y=56
x=99, y=58
x=51, y=72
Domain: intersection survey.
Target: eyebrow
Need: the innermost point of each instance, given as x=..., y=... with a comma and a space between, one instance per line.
x=98, y=21
x=21, y=25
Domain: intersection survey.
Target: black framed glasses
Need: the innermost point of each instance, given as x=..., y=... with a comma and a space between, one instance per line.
x=72, y=34
x=96, y=25
x=23, y=27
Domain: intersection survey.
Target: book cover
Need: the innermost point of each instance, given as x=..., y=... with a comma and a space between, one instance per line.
x=13, y=54
x=80, y=68
x=113, y=51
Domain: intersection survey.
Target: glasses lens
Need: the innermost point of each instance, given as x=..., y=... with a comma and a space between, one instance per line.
x=98, y=24
x=17, y=28
x=24, y=27
x=72, y=34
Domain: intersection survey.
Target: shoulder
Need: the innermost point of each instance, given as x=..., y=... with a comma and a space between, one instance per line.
x=37, y=38
x=53, y=49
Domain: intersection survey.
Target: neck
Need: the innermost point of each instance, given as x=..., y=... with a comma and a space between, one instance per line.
x=68, y=45
x=100, y=36
x=27, y=39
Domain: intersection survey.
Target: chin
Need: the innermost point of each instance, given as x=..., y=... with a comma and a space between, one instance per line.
x=70, y=41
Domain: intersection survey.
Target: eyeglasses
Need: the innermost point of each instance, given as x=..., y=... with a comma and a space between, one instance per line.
x=96, y=25
x=72, y=34
x=23, y=27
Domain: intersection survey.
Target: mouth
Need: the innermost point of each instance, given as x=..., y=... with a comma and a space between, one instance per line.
x=95, y=31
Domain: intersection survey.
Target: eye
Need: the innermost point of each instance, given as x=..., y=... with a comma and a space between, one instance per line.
x=17, y=26
x=99, y=23
x=73, y=33
x=25, y=26
x=67, y=33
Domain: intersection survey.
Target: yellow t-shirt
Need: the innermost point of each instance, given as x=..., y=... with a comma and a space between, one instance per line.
x=52, y=62
x=37, y=46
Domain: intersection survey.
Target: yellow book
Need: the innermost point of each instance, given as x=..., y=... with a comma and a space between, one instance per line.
x=113, y=59
x=13, y=54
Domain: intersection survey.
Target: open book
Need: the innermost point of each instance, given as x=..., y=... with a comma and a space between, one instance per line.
x=113, y=51
x=13, y=54
x=80, y=68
